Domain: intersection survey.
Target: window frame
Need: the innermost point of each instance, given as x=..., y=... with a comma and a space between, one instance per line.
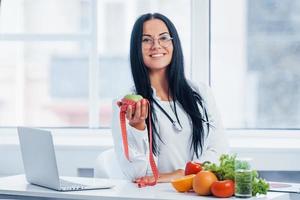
x=200, y=47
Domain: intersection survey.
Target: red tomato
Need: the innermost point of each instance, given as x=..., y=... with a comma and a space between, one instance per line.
x=222, y=189
x=192, y=168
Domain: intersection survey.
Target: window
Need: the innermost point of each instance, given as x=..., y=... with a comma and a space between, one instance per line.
x=59, y=58
x=43, y=56
x=255, y=63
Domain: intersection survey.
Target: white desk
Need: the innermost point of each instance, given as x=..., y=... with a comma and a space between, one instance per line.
x=17, y=187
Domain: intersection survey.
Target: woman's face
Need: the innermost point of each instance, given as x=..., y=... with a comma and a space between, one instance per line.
x=157, y=46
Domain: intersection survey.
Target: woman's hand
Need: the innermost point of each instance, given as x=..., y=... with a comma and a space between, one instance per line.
x=163, y=177
x=136, y=118
x=167, y=177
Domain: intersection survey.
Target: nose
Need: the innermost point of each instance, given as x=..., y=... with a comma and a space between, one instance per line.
x=156, y=44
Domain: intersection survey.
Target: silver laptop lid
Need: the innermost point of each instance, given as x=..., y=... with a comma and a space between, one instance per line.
x=39, y=157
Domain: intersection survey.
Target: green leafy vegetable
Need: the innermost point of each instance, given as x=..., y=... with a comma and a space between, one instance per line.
x=225, y=171
x=259, y=186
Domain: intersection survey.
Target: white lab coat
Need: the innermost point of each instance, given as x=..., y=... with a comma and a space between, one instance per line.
x=175, y=148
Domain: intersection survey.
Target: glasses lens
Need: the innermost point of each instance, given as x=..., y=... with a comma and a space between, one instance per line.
x=165, y=40
x=147, y=41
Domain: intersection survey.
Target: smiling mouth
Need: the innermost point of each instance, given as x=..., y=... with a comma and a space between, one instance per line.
x=158, y=55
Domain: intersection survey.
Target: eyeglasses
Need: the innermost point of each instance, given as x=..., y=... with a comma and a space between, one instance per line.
x=163, y=40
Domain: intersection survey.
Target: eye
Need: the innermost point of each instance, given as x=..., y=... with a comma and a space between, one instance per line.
x=165, y=38
x=147, y=40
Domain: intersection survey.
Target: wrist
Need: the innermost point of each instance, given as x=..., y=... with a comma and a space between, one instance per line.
x=140, y=126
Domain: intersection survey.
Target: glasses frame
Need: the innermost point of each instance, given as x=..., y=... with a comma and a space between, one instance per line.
x=148, y=45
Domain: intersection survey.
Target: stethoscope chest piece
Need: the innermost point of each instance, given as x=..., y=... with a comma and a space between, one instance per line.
x=177, y=126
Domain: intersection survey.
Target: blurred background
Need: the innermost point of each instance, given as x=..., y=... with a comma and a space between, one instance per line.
x=56, y=55
x=62, y=62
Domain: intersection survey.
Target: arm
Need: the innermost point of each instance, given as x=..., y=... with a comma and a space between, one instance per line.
x=138, y=147
x=163, y=177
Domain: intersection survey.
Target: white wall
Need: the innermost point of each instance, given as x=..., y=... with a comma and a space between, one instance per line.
x=270, y=151
x=69, y=160
x=76, y=150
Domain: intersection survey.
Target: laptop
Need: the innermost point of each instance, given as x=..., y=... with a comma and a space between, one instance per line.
x=40, y=163
x=284, y=187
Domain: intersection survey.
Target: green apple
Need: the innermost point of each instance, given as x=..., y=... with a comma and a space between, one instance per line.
x=133, y=97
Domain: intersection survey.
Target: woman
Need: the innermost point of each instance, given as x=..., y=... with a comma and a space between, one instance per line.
x=186, y=124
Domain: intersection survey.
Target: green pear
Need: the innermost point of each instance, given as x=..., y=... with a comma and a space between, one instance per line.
x=133, y=97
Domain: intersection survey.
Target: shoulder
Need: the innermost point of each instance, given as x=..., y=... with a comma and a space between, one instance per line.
x=202, y=89
x=207, y=96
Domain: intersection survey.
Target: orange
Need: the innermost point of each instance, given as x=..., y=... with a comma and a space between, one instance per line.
x=202, y=182
x=183, y=184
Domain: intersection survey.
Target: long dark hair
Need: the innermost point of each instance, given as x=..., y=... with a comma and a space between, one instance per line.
x=179, y=88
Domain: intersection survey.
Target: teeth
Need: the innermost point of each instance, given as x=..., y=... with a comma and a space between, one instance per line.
x=157, y=55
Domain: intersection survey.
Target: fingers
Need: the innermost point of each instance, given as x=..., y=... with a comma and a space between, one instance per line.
x=144, y=109
x=143, y=181
x=138, y=180
x=141, y=109
x=129, y=114
x=139, y=113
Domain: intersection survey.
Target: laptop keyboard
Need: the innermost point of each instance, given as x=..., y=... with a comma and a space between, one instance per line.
x=67, y=185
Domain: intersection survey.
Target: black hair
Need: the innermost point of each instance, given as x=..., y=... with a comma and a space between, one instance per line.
x=179, y=89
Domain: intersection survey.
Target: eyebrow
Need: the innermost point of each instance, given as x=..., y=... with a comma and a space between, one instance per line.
x=159, y=34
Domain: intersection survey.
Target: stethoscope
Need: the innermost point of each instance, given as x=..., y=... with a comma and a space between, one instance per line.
x=176, y=124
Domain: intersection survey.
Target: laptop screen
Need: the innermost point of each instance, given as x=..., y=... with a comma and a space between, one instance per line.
x=38, y=157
